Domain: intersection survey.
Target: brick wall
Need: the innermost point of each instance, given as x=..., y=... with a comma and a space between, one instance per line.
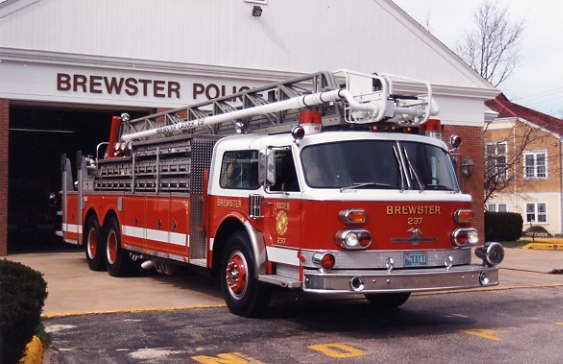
x=471, y=147
x=4, y=138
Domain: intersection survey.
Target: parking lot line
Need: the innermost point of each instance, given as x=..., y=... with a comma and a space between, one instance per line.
x=484, y=333
x=337, y=350
x=226, y=358
x=482, y=289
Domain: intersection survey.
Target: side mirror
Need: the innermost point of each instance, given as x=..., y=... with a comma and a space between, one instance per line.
x=267, y=168
x=271, y=168
x=455, y=141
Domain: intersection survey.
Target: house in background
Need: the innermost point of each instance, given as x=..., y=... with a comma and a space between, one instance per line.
x=523, y=164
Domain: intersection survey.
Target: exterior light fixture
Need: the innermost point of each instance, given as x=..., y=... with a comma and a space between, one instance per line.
x=467, y=167
x=256, y=11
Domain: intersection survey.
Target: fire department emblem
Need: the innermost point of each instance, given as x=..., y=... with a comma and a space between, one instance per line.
x=281, y=222
x=415, y=239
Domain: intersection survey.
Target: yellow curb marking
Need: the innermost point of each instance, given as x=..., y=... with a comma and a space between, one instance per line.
x=488, y=289
x=226, y=358
x=484, y=333
x=559, y=323
x=50, y=315
x=543, y=246
x=149, y=309
x=337, y=350
x=33, y=352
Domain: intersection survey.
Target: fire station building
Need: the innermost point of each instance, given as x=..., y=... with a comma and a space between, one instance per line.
x=67, y=66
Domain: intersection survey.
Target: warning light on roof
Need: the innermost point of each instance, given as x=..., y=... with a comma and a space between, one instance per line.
x=310, y=121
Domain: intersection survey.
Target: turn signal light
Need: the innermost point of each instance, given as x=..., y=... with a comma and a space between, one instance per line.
x=463, y=216
x=353, y=216
x=465, y=236
x=324, y=260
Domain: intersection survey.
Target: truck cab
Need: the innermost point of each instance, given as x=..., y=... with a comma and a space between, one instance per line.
x=376, y=213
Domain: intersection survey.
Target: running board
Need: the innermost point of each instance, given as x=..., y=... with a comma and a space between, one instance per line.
x=202, y=262
x=279, y=280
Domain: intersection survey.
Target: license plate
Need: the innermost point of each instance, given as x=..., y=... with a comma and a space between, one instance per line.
x=417, y=259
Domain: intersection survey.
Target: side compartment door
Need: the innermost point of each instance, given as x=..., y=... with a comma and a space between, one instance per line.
x=133, y=230
x=179, y=220
x=158, y=224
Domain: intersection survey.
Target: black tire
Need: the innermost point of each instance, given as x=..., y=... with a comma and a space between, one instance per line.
x=118, y=261
x=244, y=294
x=388, y=301
x=94, y=244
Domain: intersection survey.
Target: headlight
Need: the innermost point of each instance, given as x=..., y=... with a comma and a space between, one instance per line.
x=465, y=237
x=353, y=239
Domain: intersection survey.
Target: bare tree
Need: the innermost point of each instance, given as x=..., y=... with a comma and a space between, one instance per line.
x=492, y=47
x=503, y=158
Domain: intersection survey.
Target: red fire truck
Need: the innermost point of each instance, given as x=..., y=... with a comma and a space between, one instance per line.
x=331, y=183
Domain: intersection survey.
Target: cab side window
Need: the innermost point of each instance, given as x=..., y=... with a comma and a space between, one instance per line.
x=239, y=170
x=286, y=177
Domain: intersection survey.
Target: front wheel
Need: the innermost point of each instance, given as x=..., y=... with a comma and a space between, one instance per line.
x=244, y=294
x=118, y=261
x=94, y=244
x=387, y=301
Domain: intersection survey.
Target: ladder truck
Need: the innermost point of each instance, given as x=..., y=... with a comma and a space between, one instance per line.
x=329, y=183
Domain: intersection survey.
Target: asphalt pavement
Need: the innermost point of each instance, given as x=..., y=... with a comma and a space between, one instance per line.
x=72, y=287
x=93, y=317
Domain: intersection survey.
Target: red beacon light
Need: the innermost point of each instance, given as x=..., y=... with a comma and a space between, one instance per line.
x=310, y=121
x=432, y=128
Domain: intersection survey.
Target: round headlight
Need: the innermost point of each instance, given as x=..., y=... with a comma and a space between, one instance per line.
x=465, y=237
x=353, y=239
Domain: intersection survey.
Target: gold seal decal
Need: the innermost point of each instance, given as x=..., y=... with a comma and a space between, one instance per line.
x=281, y=222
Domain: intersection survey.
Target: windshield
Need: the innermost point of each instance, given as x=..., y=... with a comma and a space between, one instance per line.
x=376, y=164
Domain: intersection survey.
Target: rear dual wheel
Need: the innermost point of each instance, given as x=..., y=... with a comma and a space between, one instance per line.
x=94, y=244
x=118, y=261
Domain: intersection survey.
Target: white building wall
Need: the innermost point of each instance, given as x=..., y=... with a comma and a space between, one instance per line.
x=291, y=35
x=517, y=203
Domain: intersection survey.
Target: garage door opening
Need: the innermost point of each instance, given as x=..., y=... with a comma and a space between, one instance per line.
x=38, y=137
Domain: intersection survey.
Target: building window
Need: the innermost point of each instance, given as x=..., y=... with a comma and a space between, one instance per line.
x=536, y=213
x=535, y=164
x=496, y=161
x=494, y=207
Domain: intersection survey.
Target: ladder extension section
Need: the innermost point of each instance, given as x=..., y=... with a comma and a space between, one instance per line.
x=347, y=96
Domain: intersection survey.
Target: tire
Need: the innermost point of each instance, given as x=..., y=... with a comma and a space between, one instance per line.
x=94, y=244
x=244, y=294
x=388, y=301
x=118, y=261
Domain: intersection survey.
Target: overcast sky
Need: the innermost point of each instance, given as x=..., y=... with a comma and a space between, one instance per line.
x=538, y=81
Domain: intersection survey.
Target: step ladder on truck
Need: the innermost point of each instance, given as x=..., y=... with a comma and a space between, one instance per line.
x=332, y=183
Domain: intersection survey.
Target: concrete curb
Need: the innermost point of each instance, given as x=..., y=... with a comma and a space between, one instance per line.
x=429, y=293
x=33, y=352
x=126, y=310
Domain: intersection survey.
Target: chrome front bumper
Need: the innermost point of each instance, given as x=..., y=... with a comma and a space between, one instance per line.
x=400, y=280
